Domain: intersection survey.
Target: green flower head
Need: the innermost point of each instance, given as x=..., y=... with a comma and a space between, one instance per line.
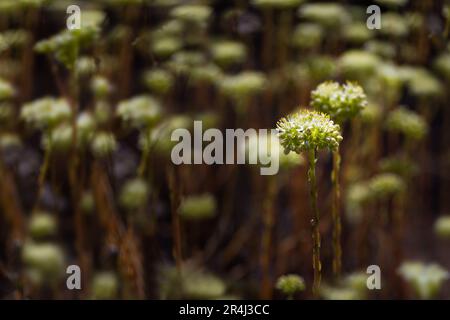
x=198, y=207
x=192, y=13
x=243, y=85
x=103, y=144
x=42, y=224
x=386, y=184
x=141, y=111
x=407, y=122
x=307, y=35
x=6, y=90
x=276, y=4
x=44, y=262
x=425, y=279
x=308, y=130
x=340, y=102
x=105, y=285
x=46, y=112
x=134, y=194
x=328, y=14
x=442, y=227
x=158, y=81
x=290, y=284
x=226, y=53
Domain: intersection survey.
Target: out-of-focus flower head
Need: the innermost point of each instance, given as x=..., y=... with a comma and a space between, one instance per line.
x=276, y=4
x=44, y=262
x=165, y=47
x=371, y=113
x=159, y=138
x=386, y=184
x=101, y=87
x=105, y=285
x=66, y=45
x=192, y=13
x=243, y=85
x=103, y=144
x=206, y=74
x=141, y=111
x=134, y=194
x=442, y=65
x=380, y=48
x=442, y=227
x=358, y=194
x=307, y=35
x=328, y=14
x=425, y=279
x=394, y=25
x=290, y=284
x=399, y=165
x=357, y=64
x=407, y=122
x=422, y=83
x=227, y=53
x=392, y=3
x=159, y=81
x=42, y=225
x=6, y=90
x=46, y=112
x=357, y=33
x=198, y=207
x=192, y=283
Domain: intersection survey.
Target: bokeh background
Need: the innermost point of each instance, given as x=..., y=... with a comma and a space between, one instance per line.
x=85, y=170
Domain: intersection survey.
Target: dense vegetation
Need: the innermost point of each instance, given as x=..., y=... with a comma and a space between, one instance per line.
x=86, y=176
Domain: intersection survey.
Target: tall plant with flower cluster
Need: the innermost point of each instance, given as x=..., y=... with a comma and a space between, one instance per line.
x=310, y=131
x=341, y=102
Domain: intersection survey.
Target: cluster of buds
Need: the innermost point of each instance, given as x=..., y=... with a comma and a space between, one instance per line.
x=308, y=130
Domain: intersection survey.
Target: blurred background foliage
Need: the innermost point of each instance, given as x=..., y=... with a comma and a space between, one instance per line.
x=85, y=171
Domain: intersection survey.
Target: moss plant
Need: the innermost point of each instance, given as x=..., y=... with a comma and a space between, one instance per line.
x=341, y=103
x=310, y=131
x=290, y=284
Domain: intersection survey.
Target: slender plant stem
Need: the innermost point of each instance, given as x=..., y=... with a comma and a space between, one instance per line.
x=315, y=220
x=176, y=228
x=43, y=170
x=336, y=214
x=268, y=221
x=267, y=41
